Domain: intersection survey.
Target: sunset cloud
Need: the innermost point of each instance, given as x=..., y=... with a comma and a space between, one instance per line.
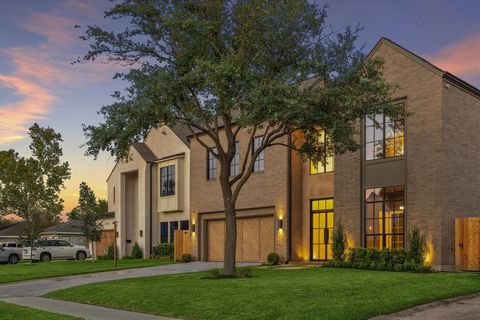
x=461, y=58
x=34, y=103
x=41, y=71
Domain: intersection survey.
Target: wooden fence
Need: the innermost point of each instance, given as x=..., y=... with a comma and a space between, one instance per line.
x=181, y=244
x=467, y=244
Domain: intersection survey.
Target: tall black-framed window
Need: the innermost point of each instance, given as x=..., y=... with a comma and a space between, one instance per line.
x=235, y=164
x=184, y=225
x=259, y=164
x=321, y=224
x=173, y=227
x=384, y=217
x=167, y=181
x=384, y=137
x=321, y=167
x=211, y=164
x=163, y=232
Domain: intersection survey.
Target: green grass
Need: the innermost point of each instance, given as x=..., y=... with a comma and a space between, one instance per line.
x=28, y=271
x=276, y=293
x=9, y=311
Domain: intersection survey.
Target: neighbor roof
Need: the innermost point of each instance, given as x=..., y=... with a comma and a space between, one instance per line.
x=445, y=74
x=14, y=230
x=71, y=226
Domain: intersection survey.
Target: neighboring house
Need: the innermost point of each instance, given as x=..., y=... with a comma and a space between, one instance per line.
x=422, y=171
x=70, y=230
x=149, y=193
x=12, y=233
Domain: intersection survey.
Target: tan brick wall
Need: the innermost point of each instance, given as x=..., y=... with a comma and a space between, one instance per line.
x=263, y=189
x=460, y=164
x=422, y=90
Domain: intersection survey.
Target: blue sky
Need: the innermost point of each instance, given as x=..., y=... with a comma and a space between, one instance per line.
x=39, y=84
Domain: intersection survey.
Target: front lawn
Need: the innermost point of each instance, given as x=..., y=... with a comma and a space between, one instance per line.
x=276, y=293
x=28, y=271
x=9, y=311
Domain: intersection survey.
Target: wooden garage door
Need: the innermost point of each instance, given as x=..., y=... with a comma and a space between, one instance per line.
x=255, y=239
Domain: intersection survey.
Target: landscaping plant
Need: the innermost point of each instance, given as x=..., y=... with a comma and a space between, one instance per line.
x=186, y=257
x=416, y=247
x=339, y=242
x=273, y=259
x=137, y=252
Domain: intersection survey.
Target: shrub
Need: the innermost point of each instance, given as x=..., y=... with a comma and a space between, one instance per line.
x=399, y=267
x=215, y=274
x=339, y=242
x=163, y=250
x=137, y=252
x=128, y=257
x=273, y=259
x=186, y=257
x=245, y=272
x=416, y=247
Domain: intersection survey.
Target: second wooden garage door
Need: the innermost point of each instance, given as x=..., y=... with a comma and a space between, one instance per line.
x=255, y=239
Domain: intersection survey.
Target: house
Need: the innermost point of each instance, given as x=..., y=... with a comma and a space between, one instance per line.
x=150, y=192
x=421, y=171
x=70, y=230
x=12, y=233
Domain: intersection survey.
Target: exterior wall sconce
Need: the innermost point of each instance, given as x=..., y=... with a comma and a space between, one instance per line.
x=280, y=223
x=194, y=229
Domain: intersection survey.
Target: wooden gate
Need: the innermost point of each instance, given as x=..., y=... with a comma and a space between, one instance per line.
x=181, y=244
x=467, y=244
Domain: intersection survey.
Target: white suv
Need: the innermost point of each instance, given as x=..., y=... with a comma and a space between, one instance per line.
x=46, y=250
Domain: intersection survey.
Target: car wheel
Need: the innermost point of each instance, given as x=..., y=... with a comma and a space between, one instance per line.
x=45, y=257
x=81, y=255
x=13, y=259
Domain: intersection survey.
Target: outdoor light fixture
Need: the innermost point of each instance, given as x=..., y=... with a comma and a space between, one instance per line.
x=280, y=223
x=193, y=227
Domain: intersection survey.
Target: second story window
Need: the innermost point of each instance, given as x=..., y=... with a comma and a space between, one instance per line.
x=259, y=164
x=167, y=181
x=384, y=137
x=211, y=164
x=321, y=167
x=235, y=164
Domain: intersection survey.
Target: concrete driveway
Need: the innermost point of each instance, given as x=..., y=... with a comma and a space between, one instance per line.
x=28, y=293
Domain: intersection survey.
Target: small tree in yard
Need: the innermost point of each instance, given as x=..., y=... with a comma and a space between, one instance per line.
x=88, y=212
x=339, y=242
x=218, y=67
x=29, y=187
x=416, y=247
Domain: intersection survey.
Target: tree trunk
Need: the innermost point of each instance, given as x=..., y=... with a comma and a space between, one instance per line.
x=230, y=222
x=230, y=239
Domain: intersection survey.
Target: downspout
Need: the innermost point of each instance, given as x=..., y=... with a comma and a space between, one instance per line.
x=151, y=209
x=289, y=201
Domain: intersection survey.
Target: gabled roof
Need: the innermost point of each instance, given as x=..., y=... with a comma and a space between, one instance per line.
x=71, y=226
x=14, y=230
x=427, y=64
x=182, y=132
x=145, y=152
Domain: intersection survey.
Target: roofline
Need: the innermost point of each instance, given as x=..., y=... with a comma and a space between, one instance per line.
x=173, y=156
x=444, y=74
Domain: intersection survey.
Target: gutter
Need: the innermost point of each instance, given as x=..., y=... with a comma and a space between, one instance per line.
x=289, y=202
x=151, y=209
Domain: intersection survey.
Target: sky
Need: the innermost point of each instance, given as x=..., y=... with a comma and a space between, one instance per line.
x=38, y=83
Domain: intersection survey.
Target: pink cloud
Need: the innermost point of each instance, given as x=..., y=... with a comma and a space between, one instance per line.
x=34, y=103
x=57, y=29
x=460, y=58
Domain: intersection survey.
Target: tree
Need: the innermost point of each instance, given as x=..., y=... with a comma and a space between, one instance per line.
x=88, y=212
x=271, y=68
x=29, y=187
x=339, y=242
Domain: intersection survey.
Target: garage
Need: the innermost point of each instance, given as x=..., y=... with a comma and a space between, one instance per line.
x=255, y=239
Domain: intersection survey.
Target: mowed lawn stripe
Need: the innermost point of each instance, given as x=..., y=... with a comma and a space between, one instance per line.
x=9, y=311
x=30, y=271
x=276, y=293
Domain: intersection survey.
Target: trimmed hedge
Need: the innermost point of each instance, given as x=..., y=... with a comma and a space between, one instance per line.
x=374, y=259
x=163, y=250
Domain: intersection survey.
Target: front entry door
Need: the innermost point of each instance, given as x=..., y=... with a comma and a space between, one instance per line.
x=321, y=229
